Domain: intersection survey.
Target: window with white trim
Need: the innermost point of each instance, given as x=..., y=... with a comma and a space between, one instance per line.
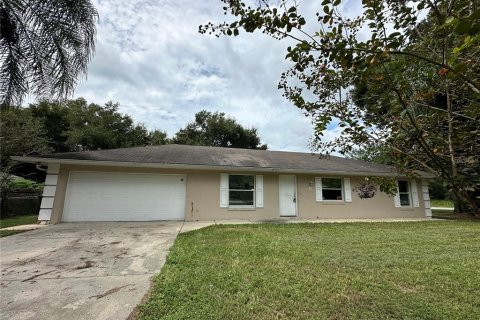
x=404, y=193
x=332, y=189
x=241, y=190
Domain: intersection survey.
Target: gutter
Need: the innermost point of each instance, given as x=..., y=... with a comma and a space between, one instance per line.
x=46, y=161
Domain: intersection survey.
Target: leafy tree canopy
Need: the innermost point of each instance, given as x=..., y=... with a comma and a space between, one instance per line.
x=387, y=77
x=218, y=130
x=21, y=133
x=73, y=125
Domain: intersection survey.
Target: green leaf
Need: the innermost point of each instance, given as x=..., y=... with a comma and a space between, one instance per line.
x=337, y=2
x=326, y=9
x=460, y=67
x=394, y=34
x=449, y=20
x=463, y=27
x=475, y=29
x=475, y=15
x=301, y=21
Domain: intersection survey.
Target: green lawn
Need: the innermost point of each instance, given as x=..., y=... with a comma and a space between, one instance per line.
x=16, y=221
x=409, y=270
x=442, y=203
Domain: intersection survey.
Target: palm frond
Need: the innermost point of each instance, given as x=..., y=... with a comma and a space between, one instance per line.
x=45, y=46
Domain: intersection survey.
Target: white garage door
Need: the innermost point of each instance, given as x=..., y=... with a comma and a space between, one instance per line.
x=107, y=196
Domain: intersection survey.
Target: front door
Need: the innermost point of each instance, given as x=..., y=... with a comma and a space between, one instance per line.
x=287, y=195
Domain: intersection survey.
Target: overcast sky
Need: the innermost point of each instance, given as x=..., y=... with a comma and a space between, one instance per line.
x=151, y=59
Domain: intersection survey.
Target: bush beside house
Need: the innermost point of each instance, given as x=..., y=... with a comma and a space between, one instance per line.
x=20, y=197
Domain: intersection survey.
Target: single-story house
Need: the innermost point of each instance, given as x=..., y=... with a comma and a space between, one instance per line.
x=180, y=182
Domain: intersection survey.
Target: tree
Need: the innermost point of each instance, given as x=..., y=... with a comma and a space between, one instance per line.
x=44, y=47
x=157, y=137
x=21, y=133
x=218, y=130
x=54, y=117
x=76, y=125
x=72, y=125
x=411, y=85
x=93, y=127
x=371, y=153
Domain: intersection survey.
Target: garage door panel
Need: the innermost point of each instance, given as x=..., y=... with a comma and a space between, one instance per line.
x=95, y=196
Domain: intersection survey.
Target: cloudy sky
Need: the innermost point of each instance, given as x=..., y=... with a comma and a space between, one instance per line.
x=151, y=59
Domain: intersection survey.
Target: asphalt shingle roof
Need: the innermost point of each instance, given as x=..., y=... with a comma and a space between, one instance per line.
x=226, y=157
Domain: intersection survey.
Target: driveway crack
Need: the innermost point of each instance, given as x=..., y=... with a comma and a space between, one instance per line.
x=111, y=291
x=37, y=275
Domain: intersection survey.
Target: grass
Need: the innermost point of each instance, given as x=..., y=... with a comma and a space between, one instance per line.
x=5, y=233
x=16, y=221
x=416, y=270
x=441, y=214
x=442, y=203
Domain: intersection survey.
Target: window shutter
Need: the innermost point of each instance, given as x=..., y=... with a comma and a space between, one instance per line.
x=259, y=191
x=348, y=189
x=224, y=190
x=396, y=199
x=413, y=184
x=318, y=189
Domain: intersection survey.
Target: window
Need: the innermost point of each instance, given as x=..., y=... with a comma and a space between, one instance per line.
x=241, y=190
x=404, y=193
x=332, y=189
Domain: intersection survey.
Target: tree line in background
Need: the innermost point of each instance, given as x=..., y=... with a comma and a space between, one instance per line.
x=402, y=79
x=75, y=125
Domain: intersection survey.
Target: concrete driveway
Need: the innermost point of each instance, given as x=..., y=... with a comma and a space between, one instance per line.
x=81, y=270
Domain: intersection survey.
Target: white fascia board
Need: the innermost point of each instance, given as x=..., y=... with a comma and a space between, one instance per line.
x=45, y=161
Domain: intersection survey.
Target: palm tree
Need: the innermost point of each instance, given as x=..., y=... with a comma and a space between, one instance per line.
x=45, y=45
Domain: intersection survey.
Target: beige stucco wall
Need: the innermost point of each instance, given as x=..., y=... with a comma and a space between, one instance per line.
x=380, y=206
x=203, y=198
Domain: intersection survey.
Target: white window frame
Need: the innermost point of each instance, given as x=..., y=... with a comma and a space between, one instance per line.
x=254, y=191
x=409, y=192
x=342, y=189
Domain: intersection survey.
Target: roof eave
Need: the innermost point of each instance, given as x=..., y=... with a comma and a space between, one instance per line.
x=45, y=161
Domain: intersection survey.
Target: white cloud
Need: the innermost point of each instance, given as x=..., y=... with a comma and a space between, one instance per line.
x=151, y=59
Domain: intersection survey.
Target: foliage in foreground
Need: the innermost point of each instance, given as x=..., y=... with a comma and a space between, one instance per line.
x=419, y=270
x=401, y=76
x=44, y=47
